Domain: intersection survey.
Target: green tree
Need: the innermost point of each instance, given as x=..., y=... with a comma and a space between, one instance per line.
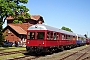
x=67, y=29
x=12, y=8
x=86, y=35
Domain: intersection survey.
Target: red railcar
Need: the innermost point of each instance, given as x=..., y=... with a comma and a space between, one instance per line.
x=43, y=38
x=88, y=41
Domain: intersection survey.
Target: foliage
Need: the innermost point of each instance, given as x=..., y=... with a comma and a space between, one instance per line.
x=17, y=21
x=67, y=29
x=86, y=35
x=15, y=9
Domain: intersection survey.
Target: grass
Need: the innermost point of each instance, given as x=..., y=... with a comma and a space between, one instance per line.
x=14, y=49
x=10, y=49
x=7, y=47
x=10, y=56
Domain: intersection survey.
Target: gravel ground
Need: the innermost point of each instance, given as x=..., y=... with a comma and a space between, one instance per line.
x=57, y=56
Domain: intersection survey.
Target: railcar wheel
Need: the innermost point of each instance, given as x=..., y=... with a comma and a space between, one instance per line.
x=70, y=47
x=50, y=52
x=62, y=48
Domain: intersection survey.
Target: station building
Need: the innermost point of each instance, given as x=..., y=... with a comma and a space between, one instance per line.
x=17, y=32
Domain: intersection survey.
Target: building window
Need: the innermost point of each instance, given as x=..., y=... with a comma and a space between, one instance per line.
x=9, y=31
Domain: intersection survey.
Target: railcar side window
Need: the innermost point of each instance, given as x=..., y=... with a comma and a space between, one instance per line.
x=79, y=38
x=31, y=35
x=48, y=35
x=51, y=35
x=82, y=38
x=55, y=36
x=63, y=37
x=68, y=37
x=58, y=36
x=40, y=35
x=73, y=38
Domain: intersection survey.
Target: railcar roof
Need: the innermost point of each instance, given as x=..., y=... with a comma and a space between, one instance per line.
x=80, y=35
x=46, y=27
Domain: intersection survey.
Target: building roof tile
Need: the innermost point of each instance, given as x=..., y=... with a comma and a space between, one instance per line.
x=18, y=29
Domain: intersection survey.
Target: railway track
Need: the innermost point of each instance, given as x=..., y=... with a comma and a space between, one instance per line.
x=88, y=57
x=13, y=52
x=22, y=58
x=26, y=57
x=83, y=54
x=78, y=55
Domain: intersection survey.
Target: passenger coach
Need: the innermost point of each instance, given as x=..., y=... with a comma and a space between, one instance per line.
x=81, y=40
x=44, y=38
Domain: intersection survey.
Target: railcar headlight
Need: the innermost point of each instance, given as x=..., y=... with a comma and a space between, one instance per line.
x=28, y=42
x=43, y=42
x=36, y=26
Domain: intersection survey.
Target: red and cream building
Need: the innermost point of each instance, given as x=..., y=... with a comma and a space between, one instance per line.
x=17, y=32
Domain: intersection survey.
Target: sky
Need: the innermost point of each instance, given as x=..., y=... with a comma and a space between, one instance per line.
x=74, y=14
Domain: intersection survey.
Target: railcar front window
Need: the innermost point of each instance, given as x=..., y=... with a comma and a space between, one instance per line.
x=31, y=35
x=40, y=35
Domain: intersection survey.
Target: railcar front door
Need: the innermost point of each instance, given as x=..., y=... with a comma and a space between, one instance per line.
x=35, y=38
x=40, y=36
